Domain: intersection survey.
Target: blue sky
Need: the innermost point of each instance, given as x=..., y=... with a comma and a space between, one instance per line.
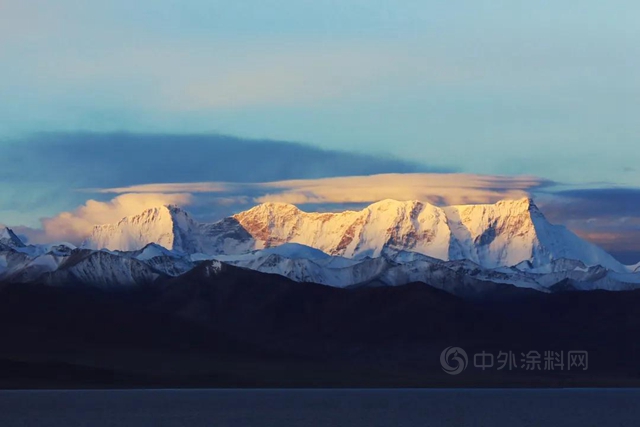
x=547, y=89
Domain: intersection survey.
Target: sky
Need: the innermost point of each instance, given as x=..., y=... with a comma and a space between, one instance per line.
x=107, y=95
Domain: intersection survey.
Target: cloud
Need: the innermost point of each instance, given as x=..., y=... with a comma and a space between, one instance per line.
x=185, y=76
x=443, y=189
x=585, y=203
x=191, y=187
x=212, y=200
x=609, y=217
x=623, y=242
x=39, y=173
x=614, y=240
x=98, y=160
x=76, y=225
x=285, y=76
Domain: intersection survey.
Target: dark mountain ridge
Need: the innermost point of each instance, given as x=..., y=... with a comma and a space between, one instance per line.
x=219, y=325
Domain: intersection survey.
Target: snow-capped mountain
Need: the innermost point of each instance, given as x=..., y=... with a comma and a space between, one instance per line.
x=100, y=269
x=12, y=262
x=304, y=264
x=114, y=269
x=159, y=225
x=162, y=259
x=504, y=234
x=9, y=239
x=460, y=249
x=459, y=276
x=172, y=228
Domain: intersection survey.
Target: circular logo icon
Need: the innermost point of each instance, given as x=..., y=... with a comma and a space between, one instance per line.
x=454, y=360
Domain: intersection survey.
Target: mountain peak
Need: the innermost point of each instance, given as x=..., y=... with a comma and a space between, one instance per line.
x=172, y=228
x=153, y=225
x=492, y=235
x=152, y=214
x=271, y=208
x=525, y=204
x=149, y=213
x=174, y=209
x=523, y=201
x=393, y=203
x=278, y=205
x=9, y=238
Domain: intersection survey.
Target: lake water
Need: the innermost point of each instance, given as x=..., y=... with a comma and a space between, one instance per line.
x=309, y=408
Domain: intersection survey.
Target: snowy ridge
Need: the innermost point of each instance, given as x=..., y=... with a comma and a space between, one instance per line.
x=409, y=225
x=9, y=239
x=330, y=271
x=404, y=267
x=499, y=235
x=173, y=229
x=100, y=269
x=106, y=269
x=132, y=233
x=389, y=243
x=504, y=234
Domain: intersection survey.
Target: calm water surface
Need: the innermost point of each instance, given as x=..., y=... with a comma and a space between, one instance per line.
x=308, y=408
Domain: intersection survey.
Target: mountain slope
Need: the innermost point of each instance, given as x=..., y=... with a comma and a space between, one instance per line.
x=410, y=225
x=154, y=225
x=171, y=228
x=504, y=234
x=219, y=326
x=510, y=232
x=331, y=272
x=8, y=238
x=100, y=269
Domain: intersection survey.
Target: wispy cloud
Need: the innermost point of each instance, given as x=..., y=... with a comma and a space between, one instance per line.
x=76, y=225
x=181, y=77
x=190, y=187
x=39, y=173
x=118, y=159
x=444, y=189
x=212, y=200
x=430, y=187
x=609, y=217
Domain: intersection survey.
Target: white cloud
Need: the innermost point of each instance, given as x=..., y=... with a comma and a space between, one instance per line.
x=188, y=187
x=187, y=76
x=443, y=189
x=430, y=187
x=226, y=197
x=76, y=225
